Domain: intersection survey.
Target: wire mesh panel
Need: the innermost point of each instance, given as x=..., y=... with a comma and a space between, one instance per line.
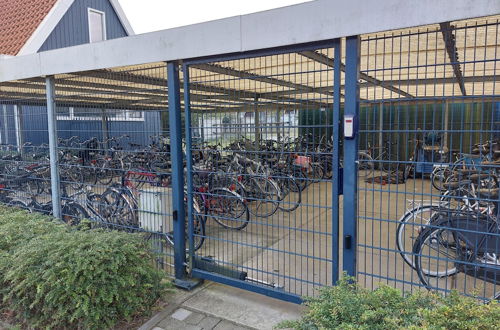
x=428, y=154
x=114, y=152
x=260, y=172
x=24, y=154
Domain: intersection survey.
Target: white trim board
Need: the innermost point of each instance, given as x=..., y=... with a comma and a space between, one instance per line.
x=122, y=17
x=45, y=28
x=54, y=16
x=308, y=22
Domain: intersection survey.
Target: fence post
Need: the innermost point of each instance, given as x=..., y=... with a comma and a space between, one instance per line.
x=18, y=122
x=179, y=216
x=52, y=127
x=351, y=107
x=5, y=127
x=335, y=158
x=257, y=119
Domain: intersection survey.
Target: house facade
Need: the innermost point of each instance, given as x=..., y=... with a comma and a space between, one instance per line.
x=33, y=26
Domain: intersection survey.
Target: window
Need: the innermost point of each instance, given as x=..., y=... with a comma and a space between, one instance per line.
x=97, y=25
x=96, y=114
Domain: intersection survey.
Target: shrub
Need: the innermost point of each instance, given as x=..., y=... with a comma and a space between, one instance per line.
x=348, y=306
x=57, y=277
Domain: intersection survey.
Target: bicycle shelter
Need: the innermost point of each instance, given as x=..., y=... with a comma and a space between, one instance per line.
x=274, y=166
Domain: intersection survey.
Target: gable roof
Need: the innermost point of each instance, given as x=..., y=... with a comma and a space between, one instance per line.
x=26, y=24
x=19, y=20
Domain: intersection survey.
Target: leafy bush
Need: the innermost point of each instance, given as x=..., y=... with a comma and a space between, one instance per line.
x=53, y=276
x=348, y=306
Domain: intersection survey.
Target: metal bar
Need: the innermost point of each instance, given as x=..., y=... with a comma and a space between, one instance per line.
x=451, y=49
x=105, y=133
x=351, y=107
x=264, y=290
x=335, y=160
x=174, y=111
x=52, y=128
x=323, y=59
x=189, y=164
x=247, y=75
x=256, y=118
x=18, y=114
x=5, y=124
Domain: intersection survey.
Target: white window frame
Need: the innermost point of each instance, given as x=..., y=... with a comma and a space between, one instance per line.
x=104, y=31
x=126, y=117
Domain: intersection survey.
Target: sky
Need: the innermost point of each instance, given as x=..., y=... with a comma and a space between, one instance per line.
x=153, y=15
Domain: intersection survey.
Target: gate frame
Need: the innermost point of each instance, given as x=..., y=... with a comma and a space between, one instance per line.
x=336, y=188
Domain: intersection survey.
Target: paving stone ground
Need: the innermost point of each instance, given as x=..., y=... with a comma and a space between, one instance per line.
x=218, y=307
x=185, y=319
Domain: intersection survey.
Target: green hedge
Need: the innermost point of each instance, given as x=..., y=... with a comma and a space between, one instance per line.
x=348, y=306
x=53, y=276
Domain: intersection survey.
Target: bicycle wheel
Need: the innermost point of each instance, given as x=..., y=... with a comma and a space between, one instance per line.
x=439, y=176
x=460, y=254
x=20, y=204
x=436, y=255
x=366, y=165
x=73, y=213
x=264, y=197
x=290, y=192
x=409, y=227
x=228, y=209
x=119, y=209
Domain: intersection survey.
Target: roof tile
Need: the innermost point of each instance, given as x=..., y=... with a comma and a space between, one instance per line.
x=18, y=21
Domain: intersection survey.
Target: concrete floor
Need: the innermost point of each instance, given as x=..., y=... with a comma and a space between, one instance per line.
x=293, y=250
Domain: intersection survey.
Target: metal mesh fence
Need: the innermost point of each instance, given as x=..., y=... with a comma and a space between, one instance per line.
x=428, y=190
x=260, y=139
x=262, y=169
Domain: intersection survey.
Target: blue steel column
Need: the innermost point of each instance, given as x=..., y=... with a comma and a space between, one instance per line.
x=52, y=127
x=351, y=107
x=189, y=163
x=335, y=161
x=174, y=113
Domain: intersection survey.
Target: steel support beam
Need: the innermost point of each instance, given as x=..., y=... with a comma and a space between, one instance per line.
x=252, y=76
x=174, y=111
x=5, y=125
x=52, y=128
x=451, y=49
x=351, y=107
x=336, y=161
x=18, y=125
x=323, y=59
x=177, y=157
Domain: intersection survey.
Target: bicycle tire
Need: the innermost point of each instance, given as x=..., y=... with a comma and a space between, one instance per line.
x=288, y=188
x=366, y=165
x=73, y=213
x=120, y=209
x=405, y=246
x=234, y=212
x=426, y=274
x=264, y=197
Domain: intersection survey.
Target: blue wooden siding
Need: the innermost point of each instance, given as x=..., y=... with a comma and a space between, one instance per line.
x=35, y=127
x=73, y=29
x=9, y=136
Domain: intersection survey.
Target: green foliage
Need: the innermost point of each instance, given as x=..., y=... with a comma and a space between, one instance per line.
x=53, y=276
x=348, y=306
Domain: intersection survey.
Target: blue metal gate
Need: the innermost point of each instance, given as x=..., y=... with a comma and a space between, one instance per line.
x=262, y=169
